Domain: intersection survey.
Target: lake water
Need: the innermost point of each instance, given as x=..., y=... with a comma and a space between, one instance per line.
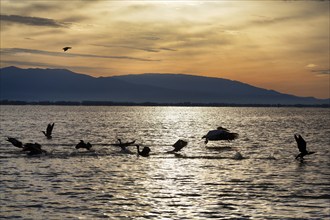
x=201, y=182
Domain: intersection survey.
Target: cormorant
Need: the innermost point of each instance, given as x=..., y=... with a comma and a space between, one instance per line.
x=66, y=48
x=15, y=142
x=49, y=131
x=124, y=145
x=145, y=151
x=302, y=147
x=34, y=149
x=220, y=134
x=82, y=144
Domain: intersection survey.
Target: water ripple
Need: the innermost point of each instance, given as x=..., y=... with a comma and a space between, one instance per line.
x=199, y=182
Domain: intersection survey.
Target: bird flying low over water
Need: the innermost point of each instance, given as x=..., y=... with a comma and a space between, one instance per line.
x=34, y=149
x=49, y=131
x=302, y=147
x=66, y=48
x=145, y=151
x=82, y=144
x=220, y=134
x=15, y=142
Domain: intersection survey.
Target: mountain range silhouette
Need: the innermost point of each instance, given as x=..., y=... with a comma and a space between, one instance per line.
x=35, y=84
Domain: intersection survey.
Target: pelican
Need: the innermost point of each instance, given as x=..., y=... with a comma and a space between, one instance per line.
x=49, y=131
x=179, y=145
x=34, y=149
x=15, y=142
x=82, y=144
x=145, y=151
x=66, y=48
x=220, y=134
x=302, y=147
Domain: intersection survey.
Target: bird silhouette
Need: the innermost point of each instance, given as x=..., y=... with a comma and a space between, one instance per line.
x=220, y=134
x=66, y=48
x=15, y=142
x=82, y=144
x=123, y=145
x=179, y=145
x=302, y=147
x=49, y=131
x=34, y=149
x=145, y=151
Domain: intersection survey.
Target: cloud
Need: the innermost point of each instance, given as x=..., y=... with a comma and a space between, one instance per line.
x=129, y=47
x=165, y=48
x=311, y=65
x=265, y=20
x=323, y=72
x=5, y=63
x=32, y=7
x=153, y=50
x=282, y=13
x=34, y=21
x=10, y=51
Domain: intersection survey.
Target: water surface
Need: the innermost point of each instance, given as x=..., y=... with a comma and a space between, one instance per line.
x=201, y=182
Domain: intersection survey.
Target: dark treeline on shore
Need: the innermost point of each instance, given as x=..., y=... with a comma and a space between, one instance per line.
x=187, y=104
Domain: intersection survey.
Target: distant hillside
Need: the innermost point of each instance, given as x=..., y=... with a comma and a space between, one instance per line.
x=64, y=85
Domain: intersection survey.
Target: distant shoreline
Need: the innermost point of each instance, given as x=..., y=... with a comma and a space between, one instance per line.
x=183, y=104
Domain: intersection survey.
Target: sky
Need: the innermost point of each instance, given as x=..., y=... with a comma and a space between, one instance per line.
x=278, y=45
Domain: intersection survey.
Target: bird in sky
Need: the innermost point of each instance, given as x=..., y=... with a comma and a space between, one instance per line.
x=66, y=48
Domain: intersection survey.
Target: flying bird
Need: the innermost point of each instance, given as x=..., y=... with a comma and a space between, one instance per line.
x=49, y=131
x=145, y=151
x=220, y=134
x=302, y=147
x=15, y=142
x=82, y=144
x=66, y=48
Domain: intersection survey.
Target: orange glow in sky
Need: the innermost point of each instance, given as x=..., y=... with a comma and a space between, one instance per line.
x=279, y=45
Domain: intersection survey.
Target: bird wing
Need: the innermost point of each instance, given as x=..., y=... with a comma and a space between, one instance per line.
x=179, y=145
x=50, y=128
x=123, y=144
x=301, y=143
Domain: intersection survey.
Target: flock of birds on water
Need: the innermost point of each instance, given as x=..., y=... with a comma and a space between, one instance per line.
x=214, y=135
